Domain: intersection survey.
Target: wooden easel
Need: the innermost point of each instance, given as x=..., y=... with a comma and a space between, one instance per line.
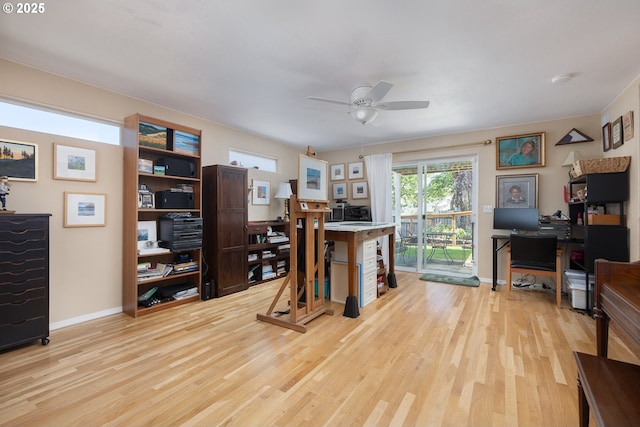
x=302, y=310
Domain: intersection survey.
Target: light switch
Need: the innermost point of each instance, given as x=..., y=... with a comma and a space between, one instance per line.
x=487, y=209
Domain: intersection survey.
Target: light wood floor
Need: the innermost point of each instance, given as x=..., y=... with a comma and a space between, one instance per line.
x=425, y=354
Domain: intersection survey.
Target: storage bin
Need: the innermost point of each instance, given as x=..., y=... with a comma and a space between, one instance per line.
x=604, y=219
x=577, y=288
x=606, y=165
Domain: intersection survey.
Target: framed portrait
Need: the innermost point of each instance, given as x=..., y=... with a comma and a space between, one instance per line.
x=616, y=133
x=606, y=137
x=520, y=151
x=356, y=170
x=261, y=192
x=340, y=191
x=85, y=209
x=312, y=179
x=73, y=163
x=359, y=190
x=337, y=172
x=19, y=160
x=517, y=191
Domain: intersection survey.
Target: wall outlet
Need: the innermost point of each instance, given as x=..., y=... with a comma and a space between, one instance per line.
x=487, y=209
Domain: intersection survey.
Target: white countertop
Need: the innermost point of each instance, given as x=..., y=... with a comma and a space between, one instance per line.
x=356, y=226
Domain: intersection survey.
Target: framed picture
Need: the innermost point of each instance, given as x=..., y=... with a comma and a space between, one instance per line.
x=19, y=160
x=356, y=170
x=147, y=234
x=73, y=163
x=517, y=191
x=312, y=179
x=606, y=137
x=186, y=143
x=627, y=126
x=520, y=151
x=150, y=135
x=337, y=172
x=616, y=133
x=85, y=209
x=261, y=192
x=359, y=190
x=340, y=191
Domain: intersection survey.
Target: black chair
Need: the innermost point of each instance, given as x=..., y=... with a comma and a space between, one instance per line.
x=537, y=255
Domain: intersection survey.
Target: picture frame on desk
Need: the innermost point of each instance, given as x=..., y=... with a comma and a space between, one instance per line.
x=74, y=163
x=517, y=191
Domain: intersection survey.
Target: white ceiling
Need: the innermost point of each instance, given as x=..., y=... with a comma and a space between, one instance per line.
x=251, y=64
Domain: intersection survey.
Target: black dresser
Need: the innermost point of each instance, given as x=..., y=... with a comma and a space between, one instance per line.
x=24, y=279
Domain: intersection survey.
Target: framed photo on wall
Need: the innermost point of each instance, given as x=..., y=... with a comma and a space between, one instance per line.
x=19, y=160
x=85, y=210
x=520, y=151
x=73, y=163
x=606, y=137
x=359, y=190
x=616, y=133
x=261, y=192
x=517, y=191
x=356, y=170
x=340, y=191
x=337, y=172
x=312, y=179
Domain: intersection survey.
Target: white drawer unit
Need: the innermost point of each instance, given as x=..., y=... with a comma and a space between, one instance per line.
x=366, y=259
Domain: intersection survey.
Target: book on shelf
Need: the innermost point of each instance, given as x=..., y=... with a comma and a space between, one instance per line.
x=270, y=275
x=278, y=239
x=185, y=267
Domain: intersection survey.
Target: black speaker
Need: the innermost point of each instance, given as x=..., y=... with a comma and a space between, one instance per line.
x=177, y=167
x=174, y=200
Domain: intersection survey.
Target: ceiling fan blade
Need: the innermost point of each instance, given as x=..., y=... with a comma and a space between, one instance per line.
x=333, y=101
x=403, y=105
x=379, y=91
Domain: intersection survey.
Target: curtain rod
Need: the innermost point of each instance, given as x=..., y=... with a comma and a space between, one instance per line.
x=467, y=144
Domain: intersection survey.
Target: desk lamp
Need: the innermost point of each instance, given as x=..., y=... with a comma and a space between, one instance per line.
x=284, y=192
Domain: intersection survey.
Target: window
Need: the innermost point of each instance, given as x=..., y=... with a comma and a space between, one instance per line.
x=39, y=120
x=253, y=161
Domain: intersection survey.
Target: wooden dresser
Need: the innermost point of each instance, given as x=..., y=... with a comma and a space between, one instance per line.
x=24, y=279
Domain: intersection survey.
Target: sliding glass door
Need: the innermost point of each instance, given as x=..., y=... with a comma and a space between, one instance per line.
x=434, y=212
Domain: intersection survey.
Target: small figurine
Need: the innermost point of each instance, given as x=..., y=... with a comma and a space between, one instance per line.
x=4, y=190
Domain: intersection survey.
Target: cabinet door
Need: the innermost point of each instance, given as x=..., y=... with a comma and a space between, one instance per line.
x=607, y=242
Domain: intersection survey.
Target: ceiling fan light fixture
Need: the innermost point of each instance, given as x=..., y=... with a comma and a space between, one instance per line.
x=364, y=114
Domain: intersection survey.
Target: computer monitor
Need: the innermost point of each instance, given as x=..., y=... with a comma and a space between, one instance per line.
x=515, y=219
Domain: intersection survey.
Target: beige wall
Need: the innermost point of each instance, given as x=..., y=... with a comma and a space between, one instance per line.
x=552, y=177
x=86, y=263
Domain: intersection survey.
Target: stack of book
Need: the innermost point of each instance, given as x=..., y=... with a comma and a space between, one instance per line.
x=185, y=267
x=282, y=264
x=278, y=238
x=267, y=272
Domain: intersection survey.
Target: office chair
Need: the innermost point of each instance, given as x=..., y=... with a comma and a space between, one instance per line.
x=538, y=255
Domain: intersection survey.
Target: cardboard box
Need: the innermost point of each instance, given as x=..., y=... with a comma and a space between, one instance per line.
x=604, y=219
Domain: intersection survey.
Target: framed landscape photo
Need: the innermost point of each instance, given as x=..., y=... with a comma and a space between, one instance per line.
x=517, y=191
x=359, y=190
x=520, y=151
x=85, y=210
x=340, y=191
x=312, y=179
x=606, y=137
x=18, y=160
x=616, y=133
x=356, y=170
x=337, y=172
x=73, y=163
x=261, y=192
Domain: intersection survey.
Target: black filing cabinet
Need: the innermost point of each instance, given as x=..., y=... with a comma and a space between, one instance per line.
x=24, y=279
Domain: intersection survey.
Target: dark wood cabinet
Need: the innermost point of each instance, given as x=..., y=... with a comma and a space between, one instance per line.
x=24, y=279
x=224, y=211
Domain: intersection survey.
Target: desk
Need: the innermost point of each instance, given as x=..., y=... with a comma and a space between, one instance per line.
x=502, y=240
x=352, y=233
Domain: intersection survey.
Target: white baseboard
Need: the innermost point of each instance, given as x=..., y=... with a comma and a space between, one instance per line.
x=84, y=318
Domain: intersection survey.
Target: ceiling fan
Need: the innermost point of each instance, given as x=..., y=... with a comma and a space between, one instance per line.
x=365, y=102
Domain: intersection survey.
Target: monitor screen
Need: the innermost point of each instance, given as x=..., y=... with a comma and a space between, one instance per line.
x=515, y=219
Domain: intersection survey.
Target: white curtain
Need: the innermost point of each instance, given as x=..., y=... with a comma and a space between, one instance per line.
x=378, y=168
